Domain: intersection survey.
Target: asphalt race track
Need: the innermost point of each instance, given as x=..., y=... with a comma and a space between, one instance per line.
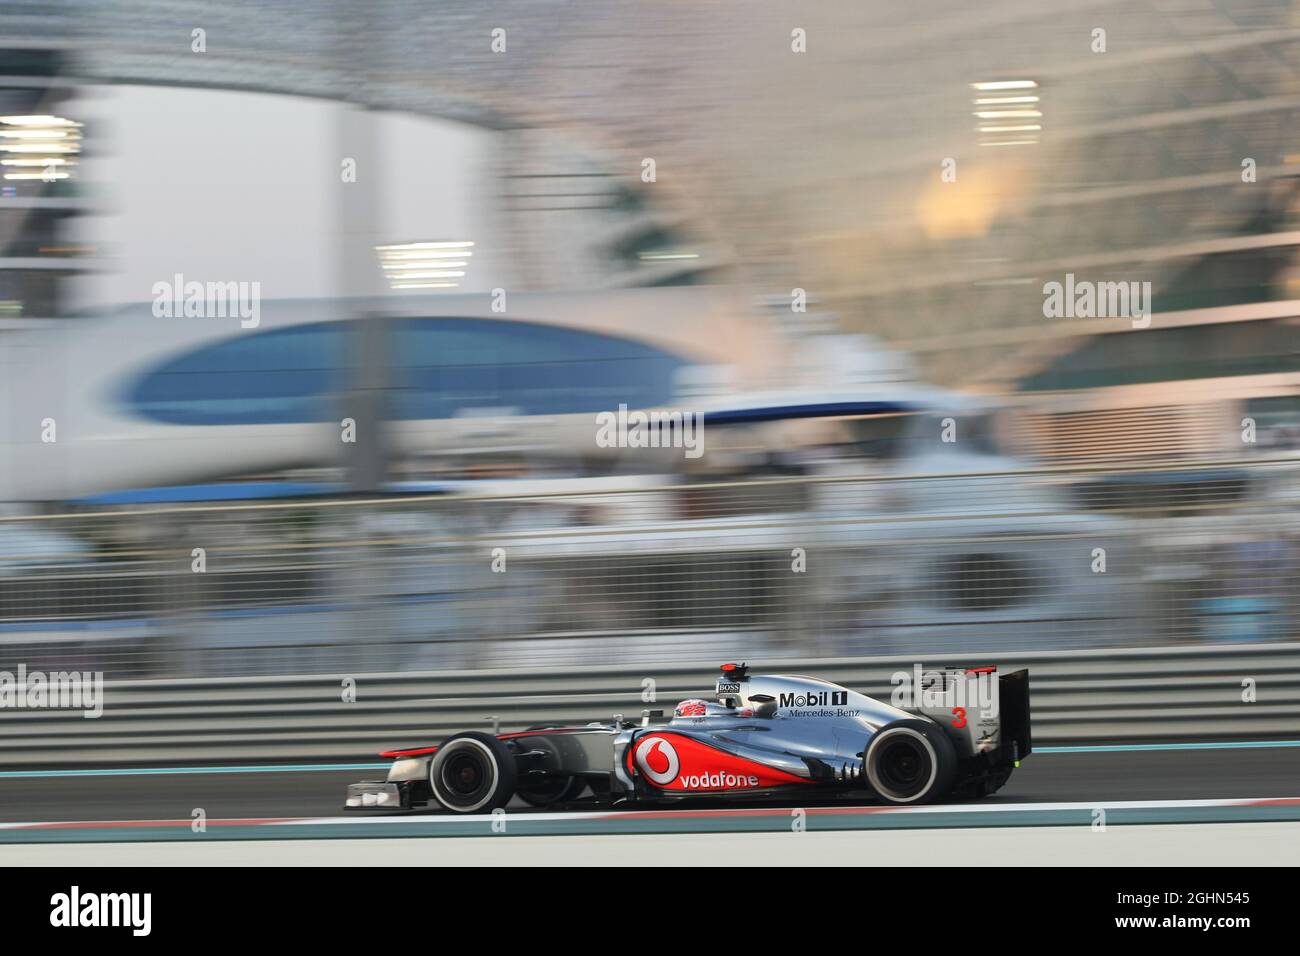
x=1082, y=776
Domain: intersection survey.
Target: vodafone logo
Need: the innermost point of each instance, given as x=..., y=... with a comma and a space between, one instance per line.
x=657, y=760
x=719, y=781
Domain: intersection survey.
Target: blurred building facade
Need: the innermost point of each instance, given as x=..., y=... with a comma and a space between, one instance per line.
x=775, y=170
x=40, y=149
x=822, y=169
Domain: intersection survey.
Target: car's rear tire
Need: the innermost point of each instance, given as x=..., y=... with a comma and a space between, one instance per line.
x=910, y=761
x=473, y=773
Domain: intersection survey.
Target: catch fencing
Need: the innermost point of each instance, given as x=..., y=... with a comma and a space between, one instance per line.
x=1193, y=554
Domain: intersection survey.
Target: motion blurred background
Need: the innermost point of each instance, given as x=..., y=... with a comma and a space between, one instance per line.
x=469, y=243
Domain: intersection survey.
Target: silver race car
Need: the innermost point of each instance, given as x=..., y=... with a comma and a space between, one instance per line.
x=948, y=733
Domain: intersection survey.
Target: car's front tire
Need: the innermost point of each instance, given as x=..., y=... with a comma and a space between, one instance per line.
x=910, y=761
x=473, y=773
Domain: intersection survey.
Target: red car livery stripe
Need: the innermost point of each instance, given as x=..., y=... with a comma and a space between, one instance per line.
x=671, y=761
x=414, y=752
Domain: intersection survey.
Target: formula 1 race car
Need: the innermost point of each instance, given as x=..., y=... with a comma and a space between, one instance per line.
x=950, y=732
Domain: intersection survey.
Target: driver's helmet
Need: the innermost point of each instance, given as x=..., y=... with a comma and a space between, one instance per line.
x=695, y=707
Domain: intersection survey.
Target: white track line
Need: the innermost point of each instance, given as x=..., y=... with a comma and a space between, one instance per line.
x=815, y=810
x=660, y=813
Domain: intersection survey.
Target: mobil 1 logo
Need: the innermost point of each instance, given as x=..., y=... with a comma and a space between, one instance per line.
x=813, y=698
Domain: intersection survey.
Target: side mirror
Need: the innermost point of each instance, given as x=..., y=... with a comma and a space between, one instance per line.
x=764, y=705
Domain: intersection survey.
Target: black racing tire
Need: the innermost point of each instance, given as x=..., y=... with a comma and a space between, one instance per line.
x=473, y=773
x=550, y=790
x=910, y=761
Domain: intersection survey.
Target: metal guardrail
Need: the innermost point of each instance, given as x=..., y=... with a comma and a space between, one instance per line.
x=1078, y=697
